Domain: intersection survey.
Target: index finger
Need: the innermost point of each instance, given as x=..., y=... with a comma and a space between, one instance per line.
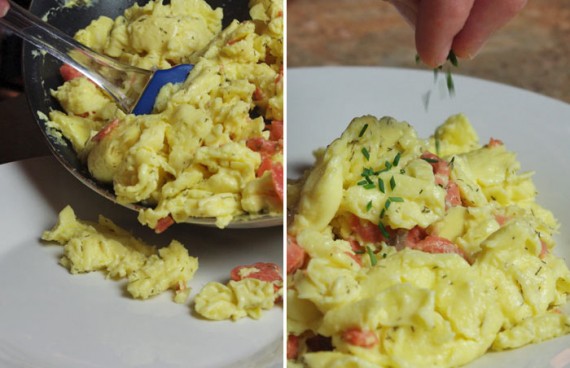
x=437, y=23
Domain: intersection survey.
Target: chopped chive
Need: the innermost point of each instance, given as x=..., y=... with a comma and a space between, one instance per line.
x=396, y=159
x=381, y=185
x=382, y=213
x=363, y=130
x=368, y=206
x=373, y=259
x=387, y=203
x=362, y=182
x=367, y=172
x=450, y=84
x=383, y=230
x=437, y=146
x=368, y=180
x=369, y=186
x=452, y=58
x=430, y=160
x=384, y=255
x=426, y=98
x=388, y=165
x=392, y=183
x=396, y=199
x=365, y=153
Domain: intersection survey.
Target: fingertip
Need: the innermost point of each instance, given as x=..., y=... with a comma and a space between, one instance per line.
x=467, y=46
x=433, y=58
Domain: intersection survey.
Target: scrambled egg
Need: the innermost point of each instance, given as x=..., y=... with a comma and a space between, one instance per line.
x=212, y=147
x=149, y=271
x=252, y=289
x=237, y=299
x=106, y=247
x=405, y=252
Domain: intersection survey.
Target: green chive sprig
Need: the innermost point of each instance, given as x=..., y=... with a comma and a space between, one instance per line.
x=373, y=259
x=363, y=130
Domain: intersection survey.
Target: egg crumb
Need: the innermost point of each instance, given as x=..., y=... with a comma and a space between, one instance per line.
x=251, y=289
x=236, y=300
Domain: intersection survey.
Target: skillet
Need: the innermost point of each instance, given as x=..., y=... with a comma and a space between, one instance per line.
x=41, y=74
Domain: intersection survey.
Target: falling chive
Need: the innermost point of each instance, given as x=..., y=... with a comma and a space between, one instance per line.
x=426, y=98
x=452, y=59
x=363, y=130
x=381, y=185
x=373, y=259
x=366, y=153
x=383, y=230
x=392, y=183
x=450, y=84
x=368, y=206
x=396, y=159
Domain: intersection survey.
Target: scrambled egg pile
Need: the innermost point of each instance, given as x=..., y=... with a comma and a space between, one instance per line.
x=405, y=252
x=212, y=147
x=106, y=247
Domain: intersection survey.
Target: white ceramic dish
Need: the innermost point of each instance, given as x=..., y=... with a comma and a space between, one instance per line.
x=50, y=318
x=322, y=101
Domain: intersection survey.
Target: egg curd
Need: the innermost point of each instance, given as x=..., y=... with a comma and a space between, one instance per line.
x=251, y=290
x=212, y=147
x=405, y=252
x=235, y=300
x=105, y=247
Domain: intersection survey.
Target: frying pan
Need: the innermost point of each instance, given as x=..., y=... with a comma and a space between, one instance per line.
x=41, y=74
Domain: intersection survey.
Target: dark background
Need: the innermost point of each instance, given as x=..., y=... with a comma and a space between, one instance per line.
x=10, y=61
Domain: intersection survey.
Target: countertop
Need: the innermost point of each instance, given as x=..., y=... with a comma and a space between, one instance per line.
x=531, y=52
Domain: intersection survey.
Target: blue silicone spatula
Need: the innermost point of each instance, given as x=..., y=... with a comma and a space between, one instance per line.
x=133, y=89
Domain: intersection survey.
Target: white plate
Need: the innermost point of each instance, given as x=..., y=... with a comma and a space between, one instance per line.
x=50, y=318
x=322, y=101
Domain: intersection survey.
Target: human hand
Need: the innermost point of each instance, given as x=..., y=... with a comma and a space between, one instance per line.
x=459, y=25
x=4, y=6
